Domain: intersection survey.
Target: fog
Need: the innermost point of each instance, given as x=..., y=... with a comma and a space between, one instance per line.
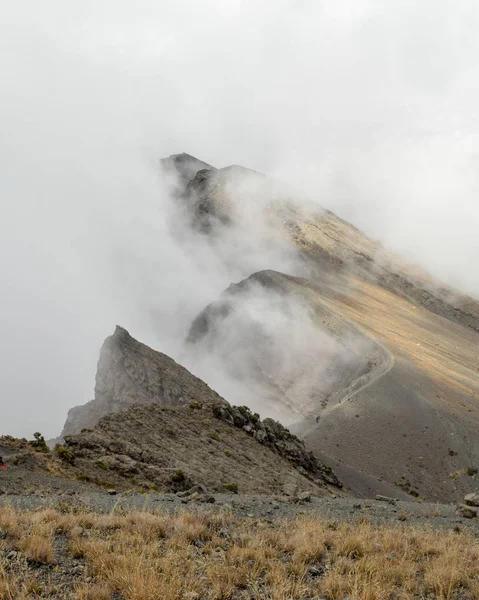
x=370, y=108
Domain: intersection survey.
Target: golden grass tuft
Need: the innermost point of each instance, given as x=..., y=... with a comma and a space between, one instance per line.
x=213, y=556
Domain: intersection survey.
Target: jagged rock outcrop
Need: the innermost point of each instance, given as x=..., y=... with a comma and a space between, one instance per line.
x=272, y=434
x=130, y=372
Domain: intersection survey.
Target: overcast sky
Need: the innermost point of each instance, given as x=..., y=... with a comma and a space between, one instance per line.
x=368, y=106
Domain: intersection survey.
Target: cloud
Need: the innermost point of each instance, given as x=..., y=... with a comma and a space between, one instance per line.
x=368, y=108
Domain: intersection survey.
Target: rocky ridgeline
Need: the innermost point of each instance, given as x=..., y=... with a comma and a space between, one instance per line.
x=272, y=434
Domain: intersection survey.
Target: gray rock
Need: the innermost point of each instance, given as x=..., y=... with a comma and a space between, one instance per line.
x=466, y=511
x=304, y=496
x=386, y=499
x=208, y=498
x=261, y=436
x=290, y=489
x=472, y=499
x=200, y=489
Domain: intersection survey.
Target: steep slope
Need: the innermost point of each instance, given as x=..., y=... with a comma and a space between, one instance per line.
x=130, y=372
x=419, y=423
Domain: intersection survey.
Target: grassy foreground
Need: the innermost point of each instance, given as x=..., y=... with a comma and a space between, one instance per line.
x=209, y=555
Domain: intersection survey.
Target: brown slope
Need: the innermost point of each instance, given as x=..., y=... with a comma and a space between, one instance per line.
x=173, y=447
x=419, y=422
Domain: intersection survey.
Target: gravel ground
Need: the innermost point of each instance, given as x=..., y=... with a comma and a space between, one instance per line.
x=436, y=516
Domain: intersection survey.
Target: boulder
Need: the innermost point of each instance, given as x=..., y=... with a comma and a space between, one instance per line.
x=290, y=489
x=466, y=511
x=472, y=499
x=386, y=499
x=304, y=497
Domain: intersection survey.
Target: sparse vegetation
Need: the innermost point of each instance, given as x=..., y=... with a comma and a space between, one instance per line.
x=231, y=487
x=65, y=454
x=101, y=465
x=471, y=471
x=407, y=487
x=39, y=443
x=195, y=405
x=145, y=556
x=178, y=476
x=83, y=477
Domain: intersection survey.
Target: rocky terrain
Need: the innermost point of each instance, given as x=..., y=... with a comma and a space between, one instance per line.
x=216, y=447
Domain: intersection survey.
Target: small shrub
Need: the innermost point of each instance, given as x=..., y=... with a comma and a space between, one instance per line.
x=65, y=454
x=170, y=431
x=195, y=405
x=471, y=471
x=83, y=477
x=105, y=484
x=178, y=476
x=227, y=453
x=101, y=465
x=39, y=443
x=214, y=436
x=231, y=487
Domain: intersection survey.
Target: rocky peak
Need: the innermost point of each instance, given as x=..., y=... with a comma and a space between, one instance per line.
x=184, y=166
x=130, y=372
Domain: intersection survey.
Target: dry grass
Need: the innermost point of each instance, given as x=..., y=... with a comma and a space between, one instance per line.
x=212, y=556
